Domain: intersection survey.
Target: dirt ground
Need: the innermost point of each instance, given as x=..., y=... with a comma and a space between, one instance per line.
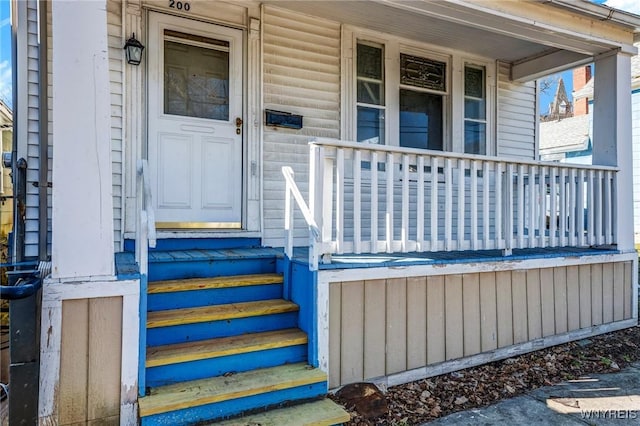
x=417, y=402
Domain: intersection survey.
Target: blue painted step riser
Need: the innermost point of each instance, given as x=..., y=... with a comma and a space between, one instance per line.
x=197, y=244
x=209, y=297
x=233, y=407
x=168, y=374
x=176, y=269
x=209, y=330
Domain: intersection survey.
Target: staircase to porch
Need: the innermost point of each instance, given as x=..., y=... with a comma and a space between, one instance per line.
x=223, y=342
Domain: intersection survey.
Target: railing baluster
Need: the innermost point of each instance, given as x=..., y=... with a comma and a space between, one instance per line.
x=404, y=234
x=580, y=207
x=572, y=207
x=598, y=210
x=520, y=211
x=461, y=203
x=448, y=204
x=420, y=205
x=499, y=206
x=389, y=217
x=508, y=210
x=374, y=202
x=562, y=241
x=434, y=204
x=608, y=217
x=357, y=200
x=340, y=201
x=327, y=198
x=474, y=204
x=532, y=206
x=553, y=207
x=486, y=201
x=591, y=240
x=542, y=208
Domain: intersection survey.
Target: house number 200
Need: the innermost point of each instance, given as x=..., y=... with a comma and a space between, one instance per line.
x=179, y=5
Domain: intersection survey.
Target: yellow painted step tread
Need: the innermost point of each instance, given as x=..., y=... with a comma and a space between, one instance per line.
x=317, y=413
x=213, y=283
x=218, y=312
x=211, y=348
x=224, y=388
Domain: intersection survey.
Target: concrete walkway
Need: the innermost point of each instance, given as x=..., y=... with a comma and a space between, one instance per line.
x=599, y=399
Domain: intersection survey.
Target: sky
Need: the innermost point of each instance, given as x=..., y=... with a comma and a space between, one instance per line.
x=5, y=52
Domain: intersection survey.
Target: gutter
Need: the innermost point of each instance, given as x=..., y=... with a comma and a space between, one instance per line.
x=602, y=12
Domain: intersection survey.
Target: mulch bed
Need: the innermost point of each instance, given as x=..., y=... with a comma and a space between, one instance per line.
x=417, y=402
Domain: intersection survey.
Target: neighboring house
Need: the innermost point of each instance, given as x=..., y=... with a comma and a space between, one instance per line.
x=569, y=140
x=436, y=243
x=6, y=188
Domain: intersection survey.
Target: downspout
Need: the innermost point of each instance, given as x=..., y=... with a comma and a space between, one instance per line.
x=43, y=130
x=13, y=246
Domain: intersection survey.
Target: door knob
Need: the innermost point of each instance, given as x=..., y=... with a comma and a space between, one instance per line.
x=238, y=125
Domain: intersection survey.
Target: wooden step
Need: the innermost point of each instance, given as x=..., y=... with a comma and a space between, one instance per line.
x=317, y=413
x=196, y=393
x=212, y=348
x=218, y=313
x=213, y=283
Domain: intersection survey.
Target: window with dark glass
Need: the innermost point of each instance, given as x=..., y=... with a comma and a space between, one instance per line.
x=421, y=109
x=475, y=110
x=196, y=76
x=370, y=93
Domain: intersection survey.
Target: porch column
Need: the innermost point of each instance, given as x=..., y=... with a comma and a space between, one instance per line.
x=82, y=217
x=612, y=137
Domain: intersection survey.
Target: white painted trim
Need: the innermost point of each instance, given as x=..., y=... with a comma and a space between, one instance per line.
x=322, y=303
x=53, y=294
x=387, y=272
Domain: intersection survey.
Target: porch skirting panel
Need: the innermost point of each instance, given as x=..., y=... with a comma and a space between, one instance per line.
x=89, y=352
x=405, y=328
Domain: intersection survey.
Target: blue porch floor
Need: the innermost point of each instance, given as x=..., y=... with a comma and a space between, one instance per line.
x=367, y=260
x=127, y=268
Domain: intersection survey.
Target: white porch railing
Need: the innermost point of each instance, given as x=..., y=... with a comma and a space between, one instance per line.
x=146, y=221
x=370, y=198
x=314, y=233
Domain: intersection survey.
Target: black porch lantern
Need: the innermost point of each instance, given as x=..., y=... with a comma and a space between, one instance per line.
x=133, y=50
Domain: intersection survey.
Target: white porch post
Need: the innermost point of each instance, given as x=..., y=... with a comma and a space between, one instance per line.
x=82, y=219
x=612, y=137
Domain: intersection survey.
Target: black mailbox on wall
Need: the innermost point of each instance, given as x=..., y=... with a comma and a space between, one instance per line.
x=283, y=119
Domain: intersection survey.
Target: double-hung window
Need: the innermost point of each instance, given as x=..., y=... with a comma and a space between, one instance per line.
x=475, y=110
x=370, y=93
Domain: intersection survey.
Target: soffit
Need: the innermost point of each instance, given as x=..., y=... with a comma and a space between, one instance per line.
x=449, y=25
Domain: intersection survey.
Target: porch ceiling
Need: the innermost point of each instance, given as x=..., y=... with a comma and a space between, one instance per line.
x=462, y=27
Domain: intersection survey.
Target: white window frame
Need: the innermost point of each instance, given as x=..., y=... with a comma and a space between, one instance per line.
x=453, y=101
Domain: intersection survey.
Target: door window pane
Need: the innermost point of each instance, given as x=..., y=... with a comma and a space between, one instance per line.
x=196, y=79
x=421, y=120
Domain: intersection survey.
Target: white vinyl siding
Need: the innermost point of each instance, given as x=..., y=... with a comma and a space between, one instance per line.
x=114, y=34
x=32, y=154
x=635, y=131
x=516, y=131
x=301, y=76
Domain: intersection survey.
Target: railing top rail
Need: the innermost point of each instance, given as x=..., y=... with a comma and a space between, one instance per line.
x=287, y=172
x=454, y=155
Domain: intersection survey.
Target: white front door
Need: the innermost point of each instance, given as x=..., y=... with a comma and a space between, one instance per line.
x=195, y=123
